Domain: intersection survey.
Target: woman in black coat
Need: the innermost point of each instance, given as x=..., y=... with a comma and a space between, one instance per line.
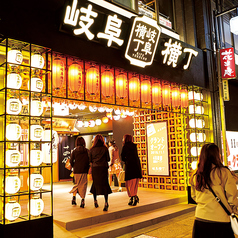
x=133, y=174
x=80, y=163
x=99, y=158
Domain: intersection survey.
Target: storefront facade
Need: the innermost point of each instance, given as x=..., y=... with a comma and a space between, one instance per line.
x=64, y=57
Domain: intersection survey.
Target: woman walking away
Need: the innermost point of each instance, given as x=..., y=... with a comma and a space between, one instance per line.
x=99, y=158
x=80, y=163
x=211, y=220
x=132, y=168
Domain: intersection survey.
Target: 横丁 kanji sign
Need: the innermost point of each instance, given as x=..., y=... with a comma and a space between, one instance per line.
x=227, y=63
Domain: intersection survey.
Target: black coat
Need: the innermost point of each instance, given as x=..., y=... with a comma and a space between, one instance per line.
x=80, y=160
x=132, y=162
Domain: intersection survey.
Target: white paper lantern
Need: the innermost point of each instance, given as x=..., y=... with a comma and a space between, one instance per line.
x=194, y=164
x=36, y=132
x=36, y=181
x=14, y=81
x=195, y=151
x=191, y=95
x=193, y=137
x=198, y=96
x=118, y=112
x=13, y=158
x=86, y=123
x=98, y=122
x=79, y=123
x=36, y=84
x=105, y=120
x=36, y=157
x=13, y=131
x=81, y=106
x=191, y=109
x=92, y=123
x=14, y=106
x=13, y=184
x=234, y=25
x=116, y=118
x=92, y=108
x=197, y=137
x=37, y=61
x=36, y=206
x=12, y=211
x=101, y=109
x=200, y=123
x=199, y=110
x=14, y=56
x=192, y=123
x=36, y=108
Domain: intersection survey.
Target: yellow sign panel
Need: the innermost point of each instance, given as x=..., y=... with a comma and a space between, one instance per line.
x=226, y=96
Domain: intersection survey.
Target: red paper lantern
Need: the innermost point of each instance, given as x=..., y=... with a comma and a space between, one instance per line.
x=184, y=97
x=146, y=91
x=92, y=80
x=156, y=93
x=75, y=77
x=121, y=86
x=107, y=83
x=175, y=97
x=58, y=73
x=134, y=89
x=166, y=94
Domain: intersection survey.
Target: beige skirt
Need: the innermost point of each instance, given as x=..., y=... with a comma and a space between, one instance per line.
x=80, y=186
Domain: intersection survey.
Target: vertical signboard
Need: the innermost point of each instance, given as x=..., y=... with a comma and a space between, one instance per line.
x=226, y=96
x=157, y=146
x=228, y=70
x=232, y=149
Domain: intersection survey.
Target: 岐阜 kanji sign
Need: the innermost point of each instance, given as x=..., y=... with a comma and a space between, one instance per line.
x=227, y=63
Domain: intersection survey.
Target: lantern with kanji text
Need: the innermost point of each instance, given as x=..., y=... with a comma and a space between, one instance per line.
x=134, y=89
x=121, y=85
x=107, y=82
x=75, y=77
x=58, y=73
x=92, y=80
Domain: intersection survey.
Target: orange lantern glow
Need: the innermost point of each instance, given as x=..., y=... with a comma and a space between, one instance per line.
x=105, y=120
x=175, y=96
x=92, y=80
x=58, y=73
x=166, y=94
x=146, y=91
x=107, y=82
x=184, y=97
x=75, y=77
x=156, y=93
x=121, y=85
x=134, y=89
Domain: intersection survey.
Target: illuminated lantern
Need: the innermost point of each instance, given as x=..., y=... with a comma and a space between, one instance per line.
x=92, y=108
x=86, y=123
x=13, y=131
x=58, y=73
x=109, y=109
x=194, y=164
x=14, y=56
x=117, y=111
x=184, y=97
x=36, y=84
x=101, y=109
x=200, y=123
x=107, y=82
x=37, y=61
x=105, y=120
x=75, y=77
x=197, y=137
x=192, y=123
x=36, y=108
x=61, y=109
x=98, y=122
x=156, y=93
x=134, y=89
x=121, y=86
x=116, y=117
x=36, y=181
x=191, y=109
x=199, y=110
x=13, y=184
x=79, y=124
x=192, y=95
x=195, y=151
x=146, y=91
x=36, y=157
x=175, y=97
x=92, y=80
x=13, y=158
x=166, y=94
x=123, y=114
x=81, y=106
x=13, y=106
x=109, y=115
x=92, y=123
x=36, y=132
x=14, y=81
x=13, y=210
x=36, y=206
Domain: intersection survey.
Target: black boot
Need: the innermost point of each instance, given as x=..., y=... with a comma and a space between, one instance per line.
x=74, y=201
x=130, y=201
x=136, y=200
x=106, y=207
x=82, y=203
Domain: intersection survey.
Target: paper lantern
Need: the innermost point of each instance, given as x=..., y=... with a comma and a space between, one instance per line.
x=36, y=157
x=116, y=117
x=98, y=122
x=134, y=89
x=192, y=95
x=194, y=164
x=81, y=106
x=14, y=106
x=184, y=98
x=109, y=115
x=121, y=86
x=146, y=91
x=175, y=97
x=75, y=77
x=105, y=120
x=36, y=108
x=156, y=93
x=101, y=109
x=13, y=184
x=13, y=158
x=36, y=132
x=79, y=123
x=13, y=131
x=200, y=123
x=123, y=114
x=58, y=73
x=166, y=94
x=36, y=84
x=234, y=25
x=197, y=137
x=195, y=151
x=36, y=206
x=60, y=109
x=199, y=110
x=14, y=56
x=92, y=80
x=107, y=83
x=14, y=81
x=92, y=108
x=12, y=210
x=36, y=181
x=86, y=123
x=92, y=123
x=37, y=61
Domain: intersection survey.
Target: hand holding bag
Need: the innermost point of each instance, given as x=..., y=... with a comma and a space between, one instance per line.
x=68, y=165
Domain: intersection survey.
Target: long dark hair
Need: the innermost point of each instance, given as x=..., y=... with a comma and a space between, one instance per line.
x=98, y=140
x=80, y=141
x=127, y=138
x=209, y=157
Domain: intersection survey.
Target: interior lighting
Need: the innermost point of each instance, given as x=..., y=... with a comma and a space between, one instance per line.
x=121, y=86
x=36, y=206
x=13, y=131
x=75, y=77
x=58, y=73
x=14, y=80
x=37, y=61
x=92, y=80
x=14, y=56
x=14, y=106
x=13, y=184
x=13, y=210
x=107, y=82
x=134, y=89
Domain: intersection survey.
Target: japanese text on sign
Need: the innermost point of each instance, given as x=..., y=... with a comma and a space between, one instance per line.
x=227, y=63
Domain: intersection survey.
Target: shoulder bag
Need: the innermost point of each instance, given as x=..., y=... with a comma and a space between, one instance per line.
x=68, y=165
x=233, y=217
